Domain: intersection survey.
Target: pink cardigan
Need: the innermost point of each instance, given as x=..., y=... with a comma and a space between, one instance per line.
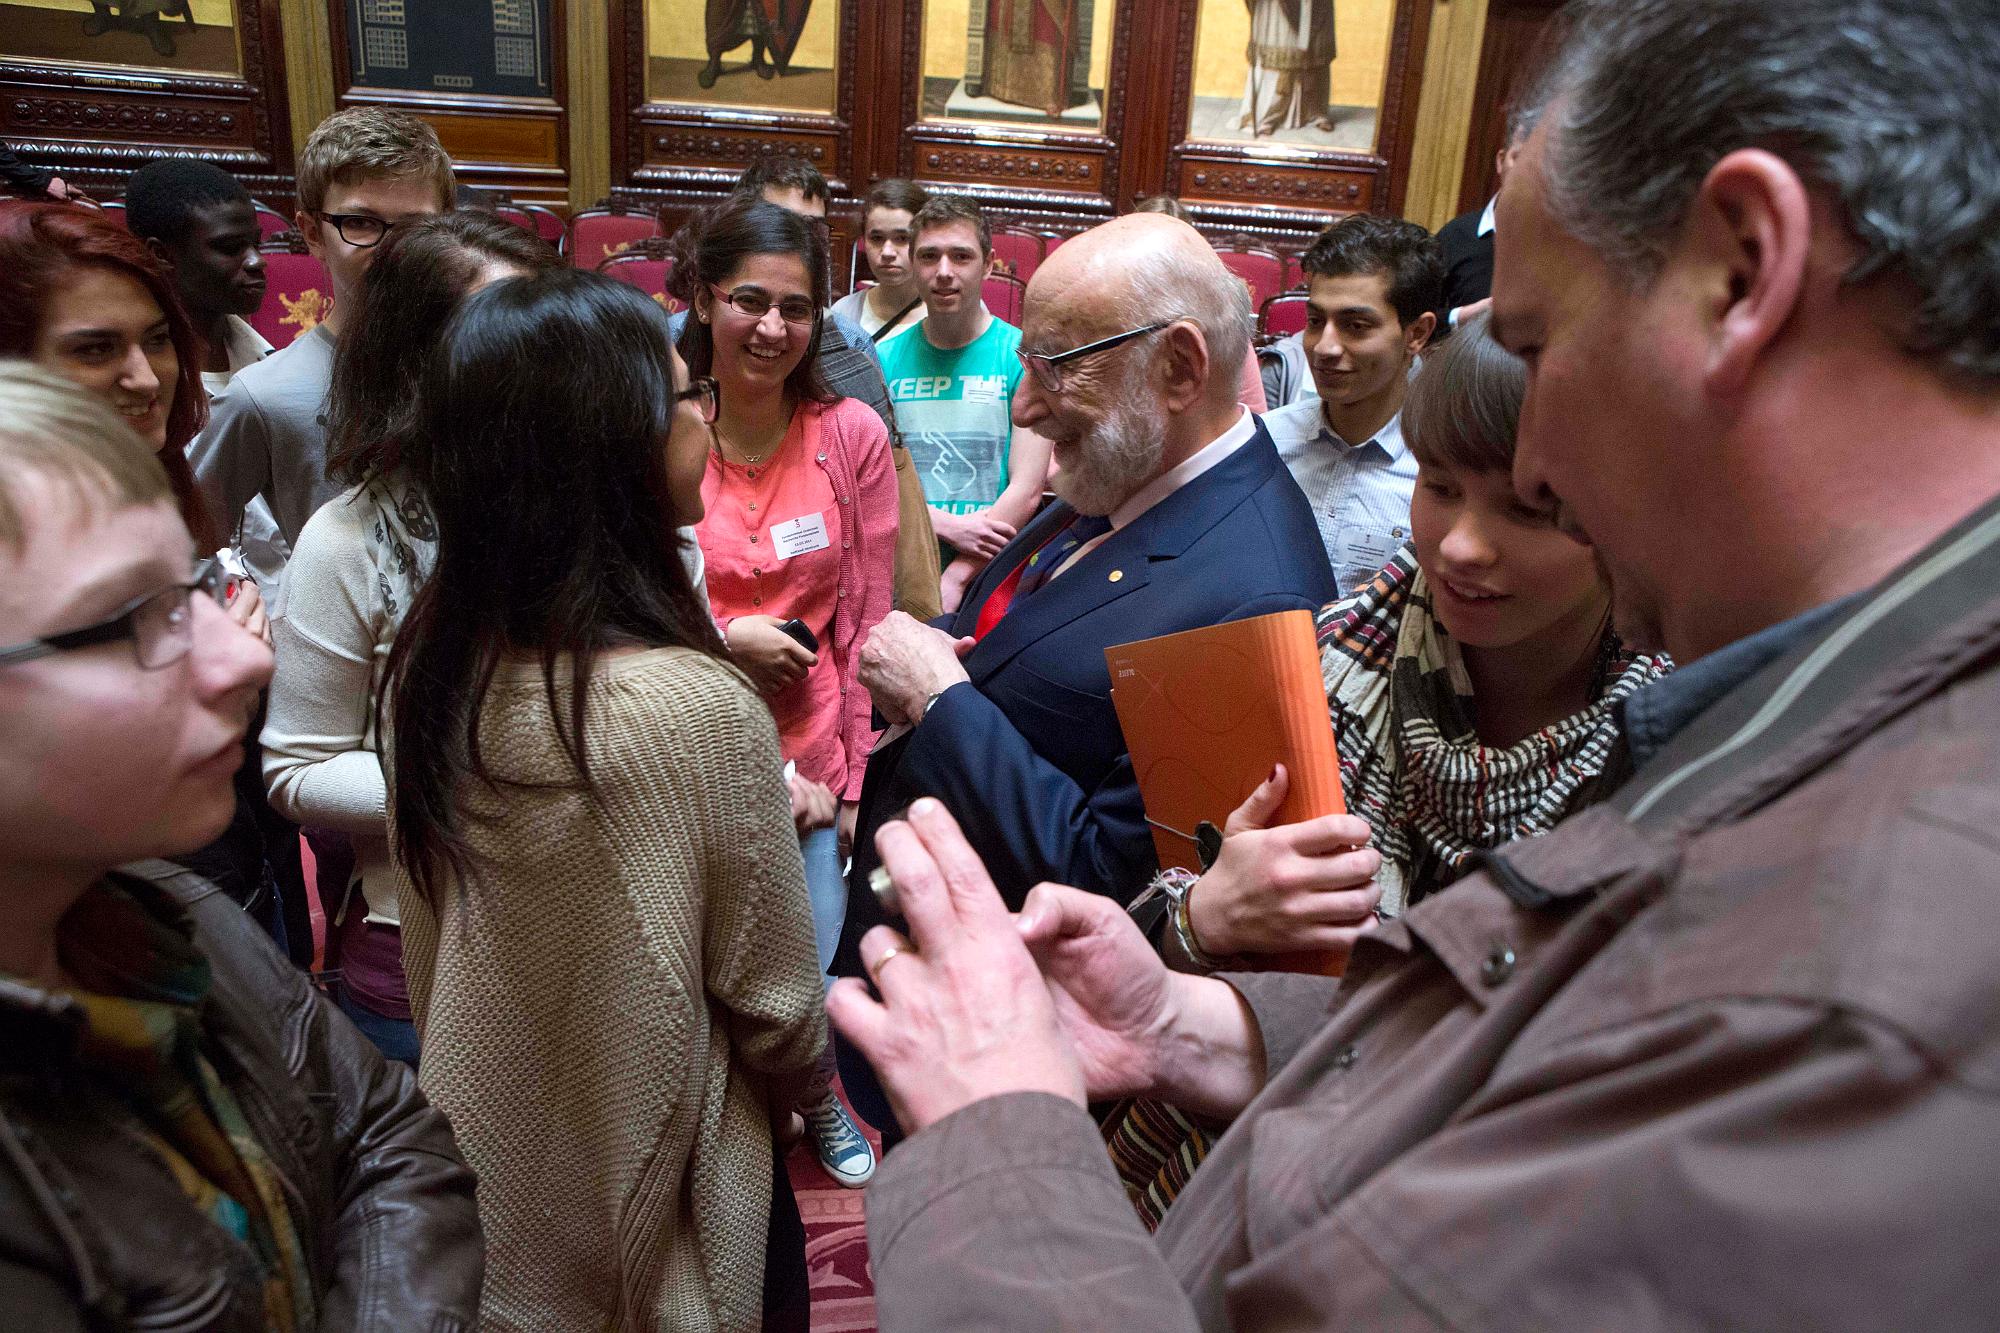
x=854, y=452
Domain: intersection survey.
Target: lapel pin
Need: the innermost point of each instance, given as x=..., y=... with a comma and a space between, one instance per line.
x=1116, y=575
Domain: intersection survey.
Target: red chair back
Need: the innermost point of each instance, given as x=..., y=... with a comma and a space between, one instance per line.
x=857, y=267
x=114, y=213
x=297, y=296
x=270, y=223
x=518, y=216
x=598, y=233
x=544, y=222
x=646, y=267
x=1004, y=296
x=1017, y=251
x=1283, y=315
x=1262, y=271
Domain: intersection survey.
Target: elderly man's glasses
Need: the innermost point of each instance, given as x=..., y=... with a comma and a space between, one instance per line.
x=360, y=230
x=754, y=303
x=159, y=625
x=707, y=395
x=1048, y=370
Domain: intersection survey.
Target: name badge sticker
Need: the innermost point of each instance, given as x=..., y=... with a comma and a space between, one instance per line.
x=1371, y=550
x=983, y=390
x=801, y=536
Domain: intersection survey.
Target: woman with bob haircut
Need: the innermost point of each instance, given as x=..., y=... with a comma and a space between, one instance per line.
x=354, y=571
x=192, y=1137
x=605, y=928
x=799, y=527
x=1473, y=684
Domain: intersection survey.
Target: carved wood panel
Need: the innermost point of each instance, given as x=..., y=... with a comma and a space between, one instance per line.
x=96, y=123
x=515, y=143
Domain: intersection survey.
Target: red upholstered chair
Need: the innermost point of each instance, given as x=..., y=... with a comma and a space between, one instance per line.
x=114, y=213
x=546, y=223
x=1295, y=274
x=1282, y=315
x=598, y=233
x=515, y=214
x=1017, y=251
x=857, y=269
x=647, y=266
x=297, y=295
x=1262, y=271
x=1004, y=295
x=270, y=222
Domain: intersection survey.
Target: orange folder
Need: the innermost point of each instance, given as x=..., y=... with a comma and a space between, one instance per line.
x=1206, y=714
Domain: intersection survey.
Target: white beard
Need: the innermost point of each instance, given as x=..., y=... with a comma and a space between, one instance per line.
x=1121, y=455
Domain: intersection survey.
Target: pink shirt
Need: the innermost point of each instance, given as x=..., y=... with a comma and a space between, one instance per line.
x=810, y=533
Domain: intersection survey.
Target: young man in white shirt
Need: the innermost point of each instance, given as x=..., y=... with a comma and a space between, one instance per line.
x=1373, y=285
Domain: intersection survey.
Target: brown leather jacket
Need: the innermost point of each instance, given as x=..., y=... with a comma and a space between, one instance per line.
x=95, y=1234
x=1723, y=1053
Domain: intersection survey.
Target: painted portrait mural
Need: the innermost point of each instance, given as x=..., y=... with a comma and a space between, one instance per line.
x=1306, y=72
x=766, y=54
x=183, y=36
x=1039, y=63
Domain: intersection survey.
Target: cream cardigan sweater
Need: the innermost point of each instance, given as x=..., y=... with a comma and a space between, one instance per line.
x=604, y=1008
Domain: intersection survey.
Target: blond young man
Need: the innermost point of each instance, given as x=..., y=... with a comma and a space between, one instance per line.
x=363, y=170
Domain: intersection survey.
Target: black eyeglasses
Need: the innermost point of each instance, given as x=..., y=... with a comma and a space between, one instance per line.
x=707, y=395
x=1047, y=370
x=755, y=304
x=159, y=624
x=360, y=230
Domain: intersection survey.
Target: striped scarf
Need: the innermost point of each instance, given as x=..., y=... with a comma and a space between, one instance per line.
x=1412, y=764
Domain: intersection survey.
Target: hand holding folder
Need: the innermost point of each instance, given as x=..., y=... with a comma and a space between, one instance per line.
x=1207, y=713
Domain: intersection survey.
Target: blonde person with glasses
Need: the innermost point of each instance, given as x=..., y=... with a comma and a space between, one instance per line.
x=799, y=538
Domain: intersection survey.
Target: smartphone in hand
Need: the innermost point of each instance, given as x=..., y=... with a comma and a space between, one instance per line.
x=796, y=629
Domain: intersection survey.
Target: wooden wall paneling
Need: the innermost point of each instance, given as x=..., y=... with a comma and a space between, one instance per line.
x=1064, y=179
x=680, y=157
x=516, y=144
x=96, y=123
x=1285, y=195
x=1520, y=35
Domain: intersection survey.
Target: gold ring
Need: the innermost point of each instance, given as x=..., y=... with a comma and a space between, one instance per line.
x=891, y=952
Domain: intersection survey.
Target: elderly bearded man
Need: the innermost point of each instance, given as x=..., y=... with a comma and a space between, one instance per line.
x=1722, y=1053
x=1176, y=512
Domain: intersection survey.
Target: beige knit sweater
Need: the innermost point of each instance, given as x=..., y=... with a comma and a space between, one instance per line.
x=604, y=1007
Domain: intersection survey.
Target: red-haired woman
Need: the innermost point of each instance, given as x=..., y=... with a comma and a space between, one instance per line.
x=85, y=299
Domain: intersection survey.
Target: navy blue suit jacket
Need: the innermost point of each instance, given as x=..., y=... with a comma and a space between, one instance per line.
x=1028, y=756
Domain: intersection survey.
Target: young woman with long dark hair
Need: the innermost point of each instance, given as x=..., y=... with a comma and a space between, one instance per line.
x=799, y=527
x=606, y=934
x=353, y=573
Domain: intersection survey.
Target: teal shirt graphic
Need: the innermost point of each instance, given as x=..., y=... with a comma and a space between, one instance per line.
x=955, y=408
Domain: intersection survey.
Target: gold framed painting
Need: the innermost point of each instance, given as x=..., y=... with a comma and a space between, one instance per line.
x=193, y=37
x=765, y=55
x=1310, y=73
x=1039, y=64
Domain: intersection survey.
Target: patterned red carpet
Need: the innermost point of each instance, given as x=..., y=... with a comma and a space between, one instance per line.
x=843, y=1290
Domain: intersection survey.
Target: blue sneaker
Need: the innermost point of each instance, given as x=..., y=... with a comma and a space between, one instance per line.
x=842, y=1150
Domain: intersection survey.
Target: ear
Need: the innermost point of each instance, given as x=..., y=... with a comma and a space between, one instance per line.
x=1417, y=333
x=1746, y=243
x=1187, y=366
x=308, y=225
x=700, y=306
x=160, y=253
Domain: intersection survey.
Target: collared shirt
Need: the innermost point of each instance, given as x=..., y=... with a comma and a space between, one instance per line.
x=1656, y=714
x=244, y=346
x=1359, y=493
x=1486, y=218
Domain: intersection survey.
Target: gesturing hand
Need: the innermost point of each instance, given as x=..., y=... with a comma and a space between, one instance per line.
x=1112, y=994
x=963, y=1014
x=1299, y=888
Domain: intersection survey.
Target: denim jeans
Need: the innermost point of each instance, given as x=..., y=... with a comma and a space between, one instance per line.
x=827, y=889
x=396, y=1038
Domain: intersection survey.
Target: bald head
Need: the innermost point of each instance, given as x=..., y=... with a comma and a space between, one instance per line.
x=1136, y=270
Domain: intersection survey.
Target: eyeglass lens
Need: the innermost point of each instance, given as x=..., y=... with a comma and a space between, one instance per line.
x=358, y=228
x=793, y=309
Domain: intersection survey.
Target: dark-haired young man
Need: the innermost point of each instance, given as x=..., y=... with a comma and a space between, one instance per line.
x=1373, y=286
x=201, y=223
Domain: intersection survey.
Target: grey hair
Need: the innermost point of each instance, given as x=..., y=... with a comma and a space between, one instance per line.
x=71, y=438
x=1892, y=105
x=1195, y=286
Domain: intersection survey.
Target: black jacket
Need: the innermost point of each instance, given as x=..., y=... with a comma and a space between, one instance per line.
x=1468, y=263
x=96, y=1234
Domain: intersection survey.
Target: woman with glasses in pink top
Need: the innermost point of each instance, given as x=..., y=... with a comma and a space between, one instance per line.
x=799, y=539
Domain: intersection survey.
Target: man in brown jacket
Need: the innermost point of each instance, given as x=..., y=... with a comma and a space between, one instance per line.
x=1723, y=1053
